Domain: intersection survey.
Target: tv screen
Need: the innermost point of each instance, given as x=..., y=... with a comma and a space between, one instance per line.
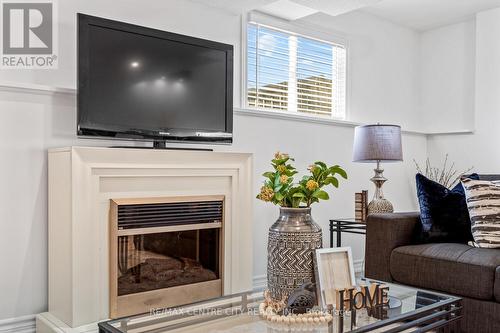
x=141, y=83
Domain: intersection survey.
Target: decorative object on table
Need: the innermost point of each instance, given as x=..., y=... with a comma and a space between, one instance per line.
x=365, y=205
x=444, y=217
x=361, y=206
x=294, y=236
x=483, y=202
x=334, y=270
x=302, y=299
x=358, y=206
x=446, y=175
x=363, y=296
x=377, y=143
x=267, y=310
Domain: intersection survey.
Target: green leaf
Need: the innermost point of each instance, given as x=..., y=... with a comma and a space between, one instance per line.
x=278, y=196
x=320, y=194
x=298, y=195
x=332, y=180
x=268, y=174
x=321, y=164
x=338, y=170
x=280, y=161
x=276, y=181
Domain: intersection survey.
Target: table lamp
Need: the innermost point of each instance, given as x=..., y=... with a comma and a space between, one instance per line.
x=377, y=143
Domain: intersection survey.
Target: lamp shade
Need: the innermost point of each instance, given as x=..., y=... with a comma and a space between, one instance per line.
x=374, y=143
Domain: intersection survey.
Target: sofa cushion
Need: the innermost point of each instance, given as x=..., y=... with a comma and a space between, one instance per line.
x=483, y=201
x=443, y=212
x=448, y=267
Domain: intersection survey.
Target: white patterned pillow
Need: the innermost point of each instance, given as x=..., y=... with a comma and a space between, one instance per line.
x=483, y=202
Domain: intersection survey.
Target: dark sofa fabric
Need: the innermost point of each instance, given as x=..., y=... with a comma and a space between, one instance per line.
x=447, y=267
x=480, y=316
x=470, y=273
x=497, y=285
x=385, y=232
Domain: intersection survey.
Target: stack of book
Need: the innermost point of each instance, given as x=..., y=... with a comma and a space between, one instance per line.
x=361, y=206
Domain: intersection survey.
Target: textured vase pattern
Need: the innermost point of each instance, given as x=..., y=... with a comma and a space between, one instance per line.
x=380, y=206
x=292, y=242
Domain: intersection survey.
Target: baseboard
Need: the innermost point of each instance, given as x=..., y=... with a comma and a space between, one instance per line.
x=47, y=323
x=260, y=281
x=23, y=324
x=359, y=267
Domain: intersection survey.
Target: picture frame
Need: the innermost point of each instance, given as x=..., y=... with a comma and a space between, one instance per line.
x=334, y=270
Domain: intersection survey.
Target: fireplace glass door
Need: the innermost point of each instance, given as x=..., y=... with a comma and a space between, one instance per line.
x=167, y=259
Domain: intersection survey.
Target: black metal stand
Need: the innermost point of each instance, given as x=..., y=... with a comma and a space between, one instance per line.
x=350, y=226
x=159, y=144
x=163, y=145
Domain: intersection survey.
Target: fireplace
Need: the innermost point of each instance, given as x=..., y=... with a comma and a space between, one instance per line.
x=86, y=183
x=164, y=252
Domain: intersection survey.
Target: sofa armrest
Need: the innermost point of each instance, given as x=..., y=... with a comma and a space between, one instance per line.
x=385, y=232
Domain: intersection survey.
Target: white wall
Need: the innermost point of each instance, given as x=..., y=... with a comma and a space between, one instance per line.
x=383, y=64
x=383, y=68
x=172, y=15
x=479, y=149
x=448, y=77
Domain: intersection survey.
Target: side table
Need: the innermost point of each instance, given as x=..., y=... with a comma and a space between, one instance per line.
x=347, y=225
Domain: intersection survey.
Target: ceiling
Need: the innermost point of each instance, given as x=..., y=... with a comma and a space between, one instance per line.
x=429, y=14
x=417, y=14
x=236, y=6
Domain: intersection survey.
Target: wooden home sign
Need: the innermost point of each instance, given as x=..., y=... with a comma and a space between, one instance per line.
x=362, y=296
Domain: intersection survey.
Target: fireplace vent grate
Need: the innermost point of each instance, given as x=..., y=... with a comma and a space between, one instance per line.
x=168, y=214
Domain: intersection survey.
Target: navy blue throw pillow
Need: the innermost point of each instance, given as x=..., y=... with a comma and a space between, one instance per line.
x=443, y=212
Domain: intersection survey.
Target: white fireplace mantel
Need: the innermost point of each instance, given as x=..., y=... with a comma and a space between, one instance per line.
x=82, y=180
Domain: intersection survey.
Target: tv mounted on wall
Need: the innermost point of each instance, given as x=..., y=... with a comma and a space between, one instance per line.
x=140, y=83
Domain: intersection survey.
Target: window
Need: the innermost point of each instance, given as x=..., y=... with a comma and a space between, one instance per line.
x=289, y=72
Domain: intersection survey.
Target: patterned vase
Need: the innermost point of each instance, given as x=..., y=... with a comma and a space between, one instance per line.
x=293, y=238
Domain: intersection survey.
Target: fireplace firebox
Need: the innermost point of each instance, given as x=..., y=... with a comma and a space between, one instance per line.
x=164, y=252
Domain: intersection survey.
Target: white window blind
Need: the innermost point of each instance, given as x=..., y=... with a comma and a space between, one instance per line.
x=290, y=72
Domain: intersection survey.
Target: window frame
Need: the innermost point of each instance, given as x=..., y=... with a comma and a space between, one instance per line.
x=310, y=31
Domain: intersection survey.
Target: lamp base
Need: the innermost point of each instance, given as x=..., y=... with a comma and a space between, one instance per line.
x=380, y=205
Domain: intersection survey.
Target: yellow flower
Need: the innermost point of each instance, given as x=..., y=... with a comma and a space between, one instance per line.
x=266, y=193
x=311, y=185
x=280, y=156
x=283, y=179
x=281, y=168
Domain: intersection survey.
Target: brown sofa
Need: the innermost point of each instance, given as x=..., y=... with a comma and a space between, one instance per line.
x=458, y=269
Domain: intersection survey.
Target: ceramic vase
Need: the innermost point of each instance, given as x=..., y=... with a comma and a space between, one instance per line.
x=292, y=241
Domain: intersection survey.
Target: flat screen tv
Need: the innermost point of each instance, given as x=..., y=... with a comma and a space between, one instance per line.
x=145, y=84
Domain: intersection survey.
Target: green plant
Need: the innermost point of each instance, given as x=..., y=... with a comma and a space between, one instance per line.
x=280, y=189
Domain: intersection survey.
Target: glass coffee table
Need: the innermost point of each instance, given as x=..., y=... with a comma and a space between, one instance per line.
x=412, y=310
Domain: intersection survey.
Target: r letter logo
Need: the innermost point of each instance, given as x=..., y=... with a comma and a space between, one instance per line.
x=28, y=35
